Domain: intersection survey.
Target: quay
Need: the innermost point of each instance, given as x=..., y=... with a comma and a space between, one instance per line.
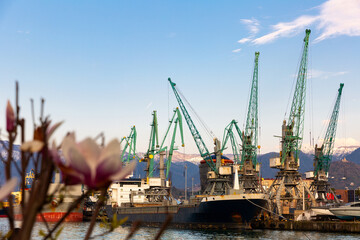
x=319, y=226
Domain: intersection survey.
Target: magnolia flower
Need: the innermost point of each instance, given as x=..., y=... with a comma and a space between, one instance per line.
x=37, y=144
x=86, y=162
x=7, y=188
x=10, y=118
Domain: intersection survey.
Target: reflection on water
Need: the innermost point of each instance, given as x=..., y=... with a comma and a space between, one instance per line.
x=78, y=231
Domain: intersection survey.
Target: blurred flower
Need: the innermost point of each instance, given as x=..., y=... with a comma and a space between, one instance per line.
x=7, y=188
x=37, y=144
x=32, y=146
x=69, y=175
x=87, y=162
x=10, y=118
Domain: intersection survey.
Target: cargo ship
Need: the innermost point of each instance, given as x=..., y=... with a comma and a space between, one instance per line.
x=150, y=201
x=57, y=208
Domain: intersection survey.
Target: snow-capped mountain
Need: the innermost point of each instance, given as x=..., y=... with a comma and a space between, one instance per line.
x=339, y=152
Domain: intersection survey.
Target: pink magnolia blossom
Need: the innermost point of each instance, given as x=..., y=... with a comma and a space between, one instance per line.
x=37, y=145
x=10, y=118
x=7, y=188
x=96, y=167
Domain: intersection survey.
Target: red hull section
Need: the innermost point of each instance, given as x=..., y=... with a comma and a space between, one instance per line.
x=56, y=216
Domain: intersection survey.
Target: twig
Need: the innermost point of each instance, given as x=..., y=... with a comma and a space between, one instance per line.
x=164, y=226
x=45, y=222
x=72, y=207
x=135, y=226
x=99, y=203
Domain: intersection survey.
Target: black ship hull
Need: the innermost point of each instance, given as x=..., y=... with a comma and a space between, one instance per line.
x=232, y=213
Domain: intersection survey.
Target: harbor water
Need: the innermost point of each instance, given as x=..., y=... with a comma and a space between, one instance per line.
x=78, y=230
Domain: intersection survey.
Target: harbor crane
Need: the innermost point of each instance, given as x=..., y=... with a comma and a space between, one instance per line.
x=288, y=187
x=219, y=175
x=130, y=141
x=323, y=155
x=249, y=167
x=153, y=147
x=159, y=187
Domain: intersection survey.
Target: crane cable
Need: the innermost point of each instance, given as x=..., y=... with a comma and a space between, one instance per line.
x=206, y=128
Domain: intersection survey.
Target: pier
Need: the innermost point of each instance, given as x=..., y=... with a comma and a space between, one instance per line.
x=320, y=226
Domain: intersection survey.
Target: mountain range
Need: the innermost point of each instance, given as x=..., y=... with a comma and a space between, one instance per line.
x=345, y=164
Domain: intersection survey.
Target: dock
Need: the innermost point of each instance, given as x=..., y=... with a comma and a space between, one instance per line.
x=319, y=226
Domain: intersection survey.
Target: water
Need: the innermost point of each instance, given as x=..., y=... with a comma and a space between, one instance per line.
x=78, y=231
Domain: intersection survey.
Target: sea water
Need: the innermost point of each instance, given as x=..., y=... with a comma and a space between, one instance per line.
x=78, y=231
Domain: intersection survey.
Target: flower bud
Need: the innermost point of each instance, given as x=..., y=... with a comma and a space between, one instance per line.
x=10, y=118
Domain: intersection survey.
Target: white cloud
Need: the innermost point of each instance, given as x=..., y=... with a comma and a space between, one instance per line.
x=252, y=25
x=324, y=75
x=236, y=50
x=23, y=32
x=335, y=18
x=286, y=29
x=244, y=40
x=339, y=17
x=149, y=105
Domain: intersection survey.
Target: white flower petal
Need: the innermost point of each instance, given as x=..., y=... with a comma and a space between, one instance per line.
x=7, y=188
x=32, y=146
x=78, y=161
x=91, y=151
x=52, y=129
x=68, y=142
x=125, y=171
x=112, y=149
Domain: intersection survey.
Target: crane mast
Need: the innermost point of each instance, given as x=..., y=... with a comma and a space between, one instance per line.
x=293, y=130
x=248, y=171
x=323, y=155
x=153, y=146
x=288, y=186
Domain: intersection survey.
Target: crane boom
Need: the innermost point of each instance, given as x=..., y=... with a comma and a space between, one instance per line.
x=130, y=142
x=250, y=137
x=176, y=120
x=293, y=137
x=228, y=133
x=324, y=160
x=204, y=152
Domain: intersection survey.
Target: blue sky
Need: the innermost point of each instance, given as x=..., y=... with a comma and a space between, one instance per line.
x=102, y=66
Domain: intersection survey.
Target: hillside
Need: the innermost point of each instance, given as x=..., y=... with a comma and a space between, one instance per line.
x=343, y=174
x=338, y=169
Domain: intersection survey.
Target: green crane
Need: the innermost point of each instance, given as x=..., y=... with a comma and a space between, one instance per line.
x=176, y=120
x=229, y=133
x=153, y=147
x=250, y=135
x=293, y=131
x=288, y=185
x=130, y=142
x=204, y=152
x=323, y=155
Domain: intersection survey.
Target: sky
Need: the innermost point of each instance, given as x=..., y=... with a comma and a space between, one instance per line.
x=102, y=66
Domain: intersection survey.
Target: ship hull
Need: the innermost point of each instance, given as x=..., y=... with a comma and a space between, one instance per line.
x=55, y=217
x=51, y=213
x=211, y=211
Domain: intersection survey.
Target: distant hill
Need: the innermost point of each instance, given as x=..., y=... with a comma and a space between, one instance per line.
x=343, y=174
x=349, y=168
x=354, y=156
x=177, y=173
x=306, y=164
